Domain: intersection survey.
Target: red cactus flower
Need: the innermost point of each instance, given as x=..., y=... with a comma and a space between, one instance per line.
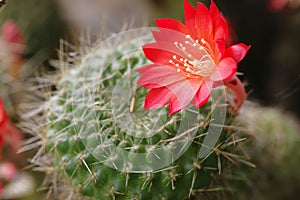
x=13, y=41
x=8, y=172
x=190, y=59
x=11, y=33
x=8, y=133
x=3, y=121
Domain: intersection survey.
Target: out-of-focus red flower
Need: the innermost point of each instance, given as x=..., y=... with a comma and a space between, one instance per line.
x=8, y=172
x=13, y=39
x=3, y=121
x=8, y=133
x=190, y=59
x=11, y=33
x=277, y=5
x=280, y=5
x=12, y=45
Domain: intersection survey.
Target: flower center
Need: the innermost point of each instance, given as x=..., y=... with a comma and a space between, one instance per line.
x=202, y=68
x=197, y=61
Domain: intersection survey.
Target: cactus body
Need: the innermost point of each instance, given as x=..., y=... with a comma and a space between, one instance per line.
x=109, y=147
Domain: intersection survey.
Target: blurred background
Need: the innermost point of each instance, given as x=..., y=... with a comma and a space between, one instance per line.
x=272, y=28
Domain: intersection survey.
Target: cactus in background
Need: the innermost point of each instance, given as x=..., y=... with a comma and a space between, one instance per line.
x=273, y=147
x=275, y=151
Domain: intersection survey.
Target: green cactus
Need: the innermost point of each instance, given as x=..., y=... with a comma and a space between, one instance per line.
x=275, y=151
x=106, y=146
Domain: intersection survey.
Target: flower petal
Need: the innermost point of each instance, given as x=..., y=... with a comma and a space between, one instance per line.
x=204, y=23
x=220, y=48
x=157, y=98
x=183, y=94
x=162, y=52
x=168, y=35
x=189, y=17
x=226, y=68
x=179, y=95
x=173, y=25
x=237, y=52
x=155, y=76
x=239, y=91
x=219, y=23
x=203, y=94
x=171, y=36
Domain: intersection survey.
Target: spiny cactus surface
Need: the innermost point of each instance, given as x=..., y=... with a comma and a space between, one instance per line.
x=109, y=147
